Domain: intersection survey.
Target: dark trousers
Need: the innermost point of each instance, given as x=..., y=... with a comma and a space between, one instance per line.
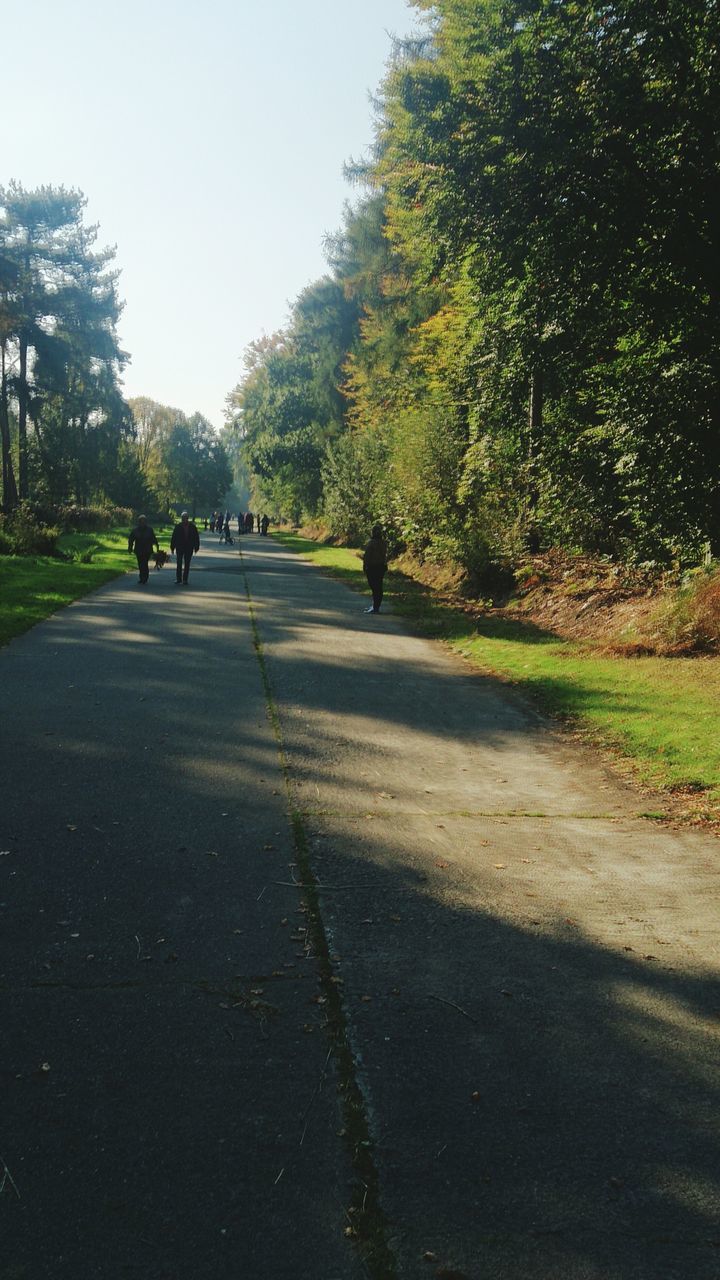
x=183, y=564
x=143, y=565
x=375, y=574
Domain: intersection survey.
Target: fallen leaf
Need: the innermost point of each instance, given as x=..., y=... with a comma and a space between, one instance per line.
x=71, y=827
x=500, y=866
x=366, y=999
x=429, y=1256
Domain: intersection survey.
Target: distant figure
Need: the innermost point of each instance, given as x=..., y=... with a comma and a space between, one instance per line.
x=226, y=534
x=241, y=522
x=212, y=522
x=264, y=525
x=185, y=540
x=249, y=522
x=375, y=566
x=142, y=540
x=258, y=521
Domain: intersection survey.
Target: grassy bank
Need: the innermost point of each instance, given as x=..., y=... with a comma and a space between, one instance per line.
x=659, y=714
x=32, y=587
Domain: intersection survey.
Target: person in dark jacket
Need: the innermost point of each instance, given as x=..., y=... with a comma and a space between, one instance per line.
x=375, y=566
x=248, y=522
x=264, y=525
x=185, y=540
x=142, y=540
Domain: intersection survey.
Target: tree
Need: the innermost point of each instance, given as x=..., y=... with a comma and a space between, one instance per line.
x=60, y=355
x=193, y=467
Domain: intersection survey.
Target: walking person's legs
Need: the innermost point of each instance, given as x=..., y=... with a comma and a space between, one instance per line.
x=143, y=568
x=187, y=557
x=375, y=582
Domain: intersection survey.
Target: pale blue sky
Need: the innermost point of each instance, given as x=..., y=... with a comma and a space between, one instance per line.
x=209, y=139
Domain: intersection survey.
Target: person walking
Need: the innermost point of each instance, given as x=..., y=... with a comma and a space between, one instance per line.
x=258, y=521
x=264, y=523
x=184, y=542
x=248, y=522
x=375, y=566
x=142, y=539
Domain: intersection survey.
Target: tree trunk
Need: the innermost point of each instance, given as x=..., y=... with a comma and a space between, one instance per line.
x=9, y=488
x=22, y=420
x=535, y=424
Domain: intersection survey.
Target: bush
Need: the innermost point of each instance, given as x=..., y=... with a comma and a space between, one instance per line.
x=690, y=620
x=92, y=519
x=22, y=534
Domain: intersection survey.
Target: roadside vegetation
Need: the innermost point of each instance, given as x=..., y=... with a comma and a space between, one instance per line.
x=34, y=586
x=657, y=714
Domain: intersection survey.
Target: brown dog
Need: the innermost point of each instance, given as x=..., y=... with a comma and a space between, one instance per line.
x=160, y=559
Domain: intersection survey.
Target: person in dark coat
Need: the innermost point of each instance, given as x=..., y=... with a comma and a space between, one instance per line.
x=375, y=566
x=264, y=525
x=248, y=522
x=184, y=542
x=142, y=540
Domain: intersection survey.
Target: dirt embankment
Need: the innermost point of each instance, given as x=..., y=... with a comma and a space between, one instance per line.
x=612, y=607
x=584, y=599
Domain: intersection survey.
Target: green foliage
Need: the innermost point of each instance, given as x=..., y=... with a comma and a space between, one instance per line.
x=32, y=587
x=62, y=416
x=519, y=344
x=688, y=620
x=22, y=534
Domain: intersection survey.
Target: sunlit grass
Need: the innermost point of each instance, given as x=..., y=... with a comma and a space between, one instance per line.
x=32, y=587
x=659, y=713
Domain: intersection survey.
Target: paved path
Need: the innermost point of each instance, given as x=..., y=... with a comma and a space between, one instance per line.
x=529, y=972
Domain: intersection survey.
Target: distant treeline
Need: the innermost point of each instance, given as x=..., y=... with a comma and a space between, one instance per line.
x=518, y=341
x=67, y=435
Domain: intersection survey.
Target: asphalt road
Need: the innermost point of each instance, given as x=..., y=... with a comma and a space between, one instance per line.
x=528, y=970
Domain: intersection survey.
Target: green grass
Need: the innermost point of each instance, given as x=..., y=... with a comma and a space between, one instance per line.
x=659, y=713
x=32, y=587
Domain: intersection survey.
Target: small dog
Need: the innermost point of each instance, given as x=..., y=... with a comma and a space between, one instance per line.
x=161, y=558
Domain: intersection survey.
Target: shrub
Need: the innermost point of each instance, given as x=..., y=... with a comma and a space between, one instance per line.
x=22, y=534
x=690, y=620
x=93, y=519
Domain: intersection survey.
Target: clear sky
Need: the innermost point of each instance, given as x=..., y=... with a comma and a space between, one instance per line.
x=209, y=137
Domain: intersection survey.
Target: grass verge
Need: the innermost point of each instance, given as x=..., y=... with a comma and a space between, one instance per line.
x=33, y=587
x=658, y=714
